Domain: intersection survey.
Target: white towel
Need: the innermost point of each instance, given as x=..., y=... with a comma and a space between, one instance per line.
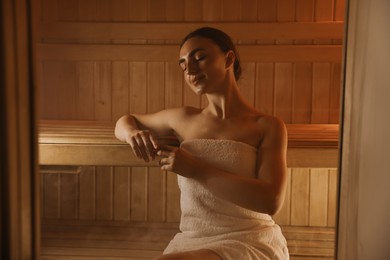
x=208, y=222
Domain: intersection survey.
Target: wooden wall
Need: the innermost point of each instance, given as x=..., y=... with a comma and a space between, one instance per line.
x=147, y=194
x=102, y=59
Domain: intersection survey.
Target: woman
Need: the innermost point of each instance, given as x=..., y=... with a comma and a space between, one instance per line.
x=231, y=163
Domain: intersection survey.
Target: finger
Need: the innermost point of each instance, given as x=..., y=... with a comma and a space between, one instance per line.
x=148, y=146
x=154, y=141
x=135, y=148
x=142, y=149
x=164, y=153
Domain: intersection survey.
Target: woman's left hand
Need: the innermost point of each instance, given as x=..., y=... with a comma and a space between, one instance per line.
x=175, y=160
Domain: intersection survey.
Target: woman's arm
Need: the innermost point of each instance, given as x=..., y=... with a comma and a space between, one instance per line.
x=264, y=194
x=141, y=131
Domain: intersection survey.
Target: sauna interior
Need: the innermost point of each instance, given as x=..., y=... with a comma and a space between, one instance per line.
x=100, y=59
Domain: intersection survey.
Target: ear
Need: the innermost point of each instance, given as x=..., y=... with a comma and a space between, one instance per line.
x=230, y=58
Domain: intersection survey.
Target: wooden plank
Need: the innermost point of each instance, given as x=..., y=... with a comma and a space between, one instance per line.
x=193, y=12
x=48, y=95
x=87, y=193
x=138, y=87
x=319, y=181
x=173, y=85
x=246, y=84
x=104, y=193
x=121, y=155
x=51, y=205
x=67, y=91
x=69, y=196
x=120, y=89
x=283, y=91
x=212, y=10
x=49, y=10
x=321, y=91
x=339, y=10
x=324, y=10
x=138, y=10
x=88, y=10
x=268, y=29
x=304, y=11
x=302, y=96
x=313, y=158
x=139, y=193
x=120, y=10
x=267, y=10
x=249, y=10
x=300, y=187
x=67, y=10
x=104, y=10
x=231, y=10
x=174, y=10
x=332, y=197
x=285, y=10
x=335, y=94
x=121, y=191
x=85, y=89
x=102, y=90
x=164, y=53
x=156, y=194
x=265, y=78
x=155, y=87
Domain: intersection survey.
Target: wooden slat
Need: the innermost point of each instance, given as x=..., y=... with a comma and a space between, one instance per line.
x=87, y=193
x=85, y=81
x=134, y=238
x=173, y=85
x=104, y=193
x=121, y=192
x=283, y=91
x=138, y=87
x=102, y=91
x=139, y=190
x=319, y=181
x=69, y=196
x=155, y=88
x=80, y=144
x=302, y=98
x=300, y=188
x=120, y=90
x=265, y=77
x=247, y=82
x=263, y=53
x=156, y=194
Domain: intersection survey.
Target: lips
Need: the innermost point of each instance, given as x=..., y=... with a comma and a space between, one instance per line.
x=195, y=79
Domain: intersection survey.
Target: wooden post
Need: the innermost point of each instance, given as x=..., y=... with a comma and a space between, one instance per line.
x=19, y=191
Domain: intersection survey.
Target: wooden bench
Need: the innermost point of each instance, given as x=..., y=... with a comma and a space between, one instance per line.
x=88, y=143
x=64, y=146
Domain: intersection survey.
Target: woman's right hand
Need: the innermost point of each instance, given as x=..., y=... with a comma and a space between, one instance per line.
x=144, y=144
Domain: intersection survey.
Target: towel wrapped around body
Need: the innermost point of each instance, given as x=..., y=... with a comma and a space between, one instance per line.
x=209, y=222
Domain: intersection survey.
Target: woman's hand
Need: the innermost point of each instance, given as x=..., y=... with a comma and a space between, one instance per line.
x=144, y=144
x=176, y=160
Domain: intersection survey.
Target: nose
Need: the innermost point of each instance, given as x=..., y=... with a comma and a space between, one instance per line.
x=192, y=67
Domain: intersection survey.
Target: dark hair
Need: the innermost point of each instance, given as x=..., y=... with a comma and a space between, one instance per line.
x=220, y=38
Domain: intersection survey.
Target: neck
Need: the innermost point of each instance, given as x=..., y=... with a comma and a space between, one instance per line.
x=226, y=104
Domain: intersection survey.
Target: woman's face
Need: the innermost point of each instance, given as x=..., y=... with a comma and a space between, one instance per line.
x=203, y=64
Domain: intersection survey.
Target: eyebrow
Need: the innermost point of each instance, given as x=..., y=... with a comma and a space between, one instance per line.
x=192, y=53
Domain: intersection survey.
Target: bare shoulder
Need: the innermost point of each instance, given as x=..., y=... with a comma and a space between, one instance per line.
x=181, y=113
x=274, y=130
